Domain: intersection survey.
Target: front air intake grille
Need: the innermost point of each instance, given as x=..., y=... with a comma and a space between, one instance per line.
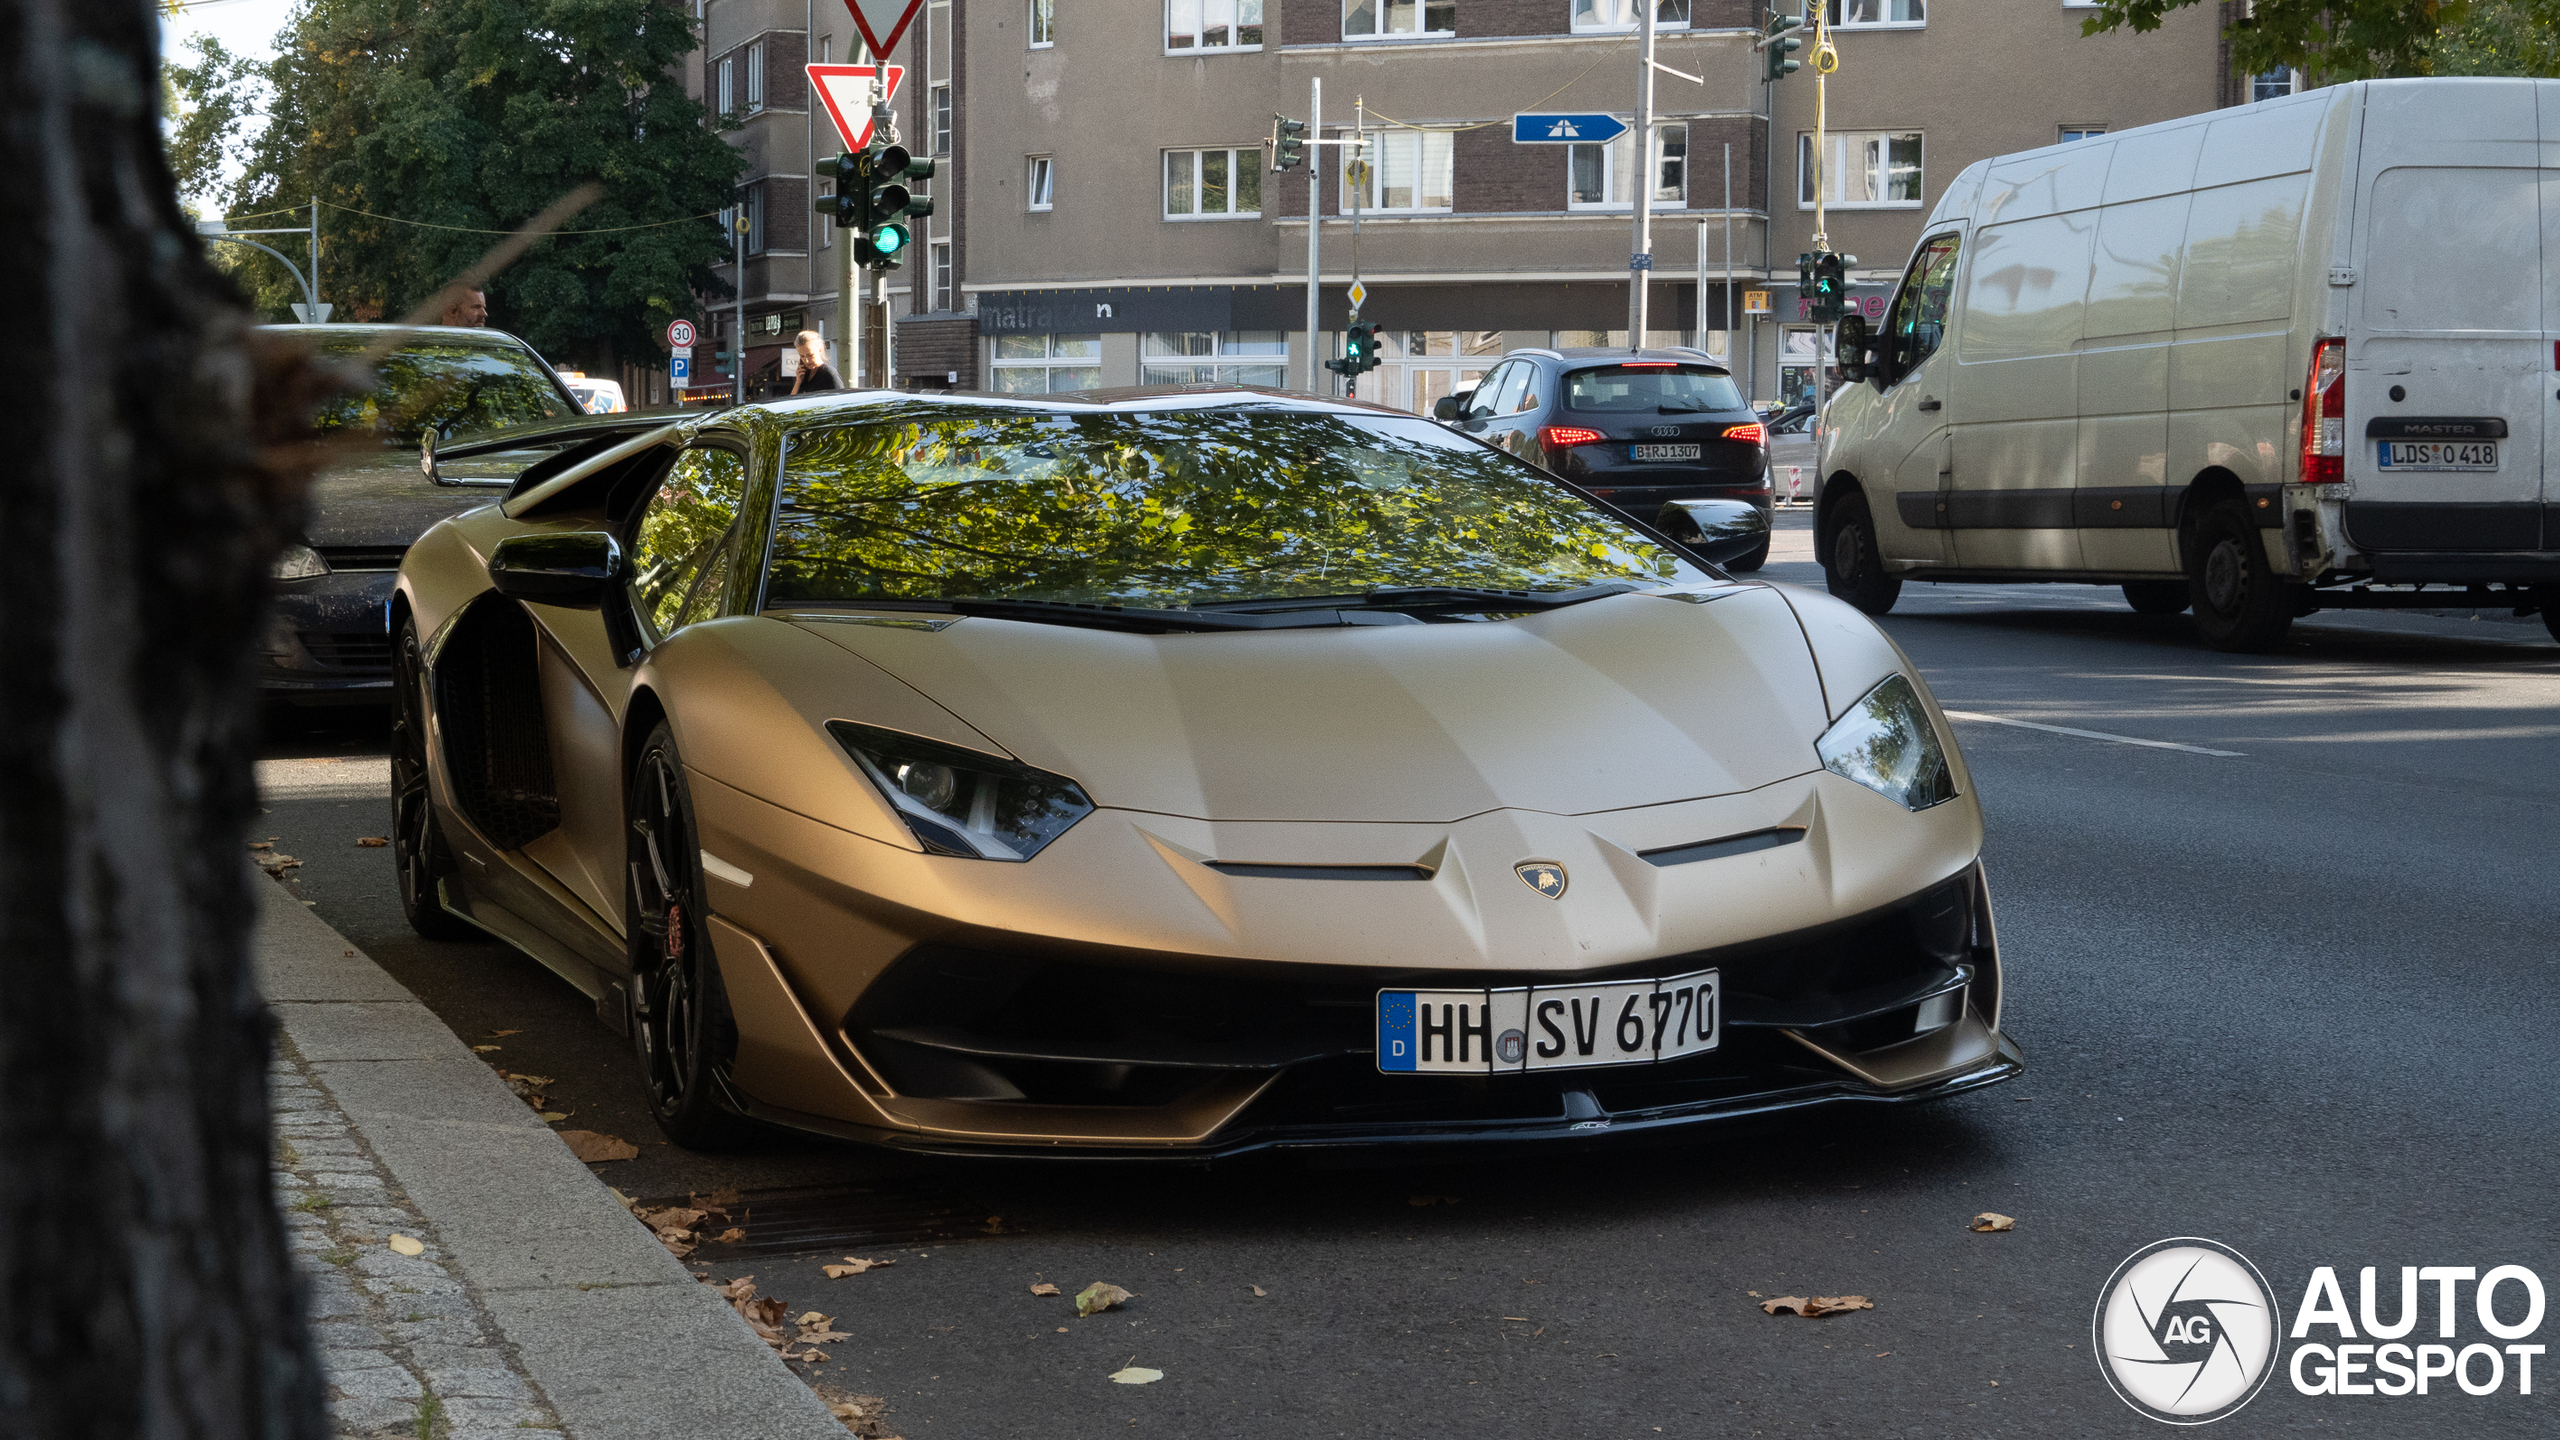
x=362, y=652
x=497, y=748
x=363, y=557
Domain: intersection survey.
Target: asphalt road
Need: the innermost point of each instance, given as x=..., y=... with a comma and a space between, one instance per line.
x=2298, y=998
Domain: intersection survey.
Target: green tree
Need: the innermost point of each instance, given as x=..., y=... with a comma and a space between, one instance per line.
x=207, y=106
x=2503, y=37
x=426, y=125
x=2339, y=40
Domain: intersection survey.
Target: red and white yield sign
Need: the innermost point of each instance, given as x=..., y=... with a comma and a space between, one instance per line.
x=679, y=334
x=846, y=92
x=880, y=44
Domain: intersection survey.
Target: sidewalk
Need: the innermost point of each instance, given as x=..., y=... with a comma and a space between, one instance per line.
x=535, y=1303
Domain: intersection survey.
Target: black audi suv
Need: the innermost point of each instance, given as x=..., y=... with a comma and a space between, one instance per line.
x=1636, y=429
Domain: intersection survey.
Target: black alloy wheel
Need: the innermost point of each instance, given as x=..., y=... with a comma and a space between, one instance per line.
x=680, y=1021
x=1852, y=565
x=2156, y=597
x=418, y=850
x=2240, y=604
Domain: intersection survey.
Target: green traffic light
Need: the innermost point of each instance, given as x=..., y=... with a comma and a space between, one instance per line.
x=889, y=239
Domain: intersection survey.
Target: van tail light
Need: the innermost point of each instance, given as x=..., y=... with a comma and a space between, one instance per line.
x=1558, y=437
x=1747, y=434
x=2324, y=416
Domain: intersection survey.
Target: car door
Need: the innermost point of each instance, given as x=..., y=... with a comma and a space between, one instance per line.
x=1910, y=430
x=1489, y=411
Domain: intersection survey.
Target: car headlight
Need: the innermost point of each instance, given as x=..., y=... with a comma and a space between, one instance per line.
x=298, y=562
x=1887, y=744
x=964, y=802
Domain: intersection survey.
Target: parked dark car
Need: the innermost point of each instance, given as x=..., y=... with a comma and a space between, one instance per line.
x=1637, y=429
x=326, y=642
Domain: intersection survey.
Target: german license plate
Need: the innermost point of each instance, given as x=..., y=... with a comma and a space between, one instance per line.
x=2439, y=454
x=1666, y=452
x=1548, y=1027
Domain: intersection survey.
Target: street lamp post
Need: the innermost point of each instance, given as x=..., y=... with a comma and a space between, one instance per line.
x=219, y=230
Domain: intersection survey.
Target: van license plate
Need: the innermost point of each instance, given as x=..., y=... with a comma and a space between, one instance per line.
x=2439, y=454
x=1549, y=1027
x=1666, y=452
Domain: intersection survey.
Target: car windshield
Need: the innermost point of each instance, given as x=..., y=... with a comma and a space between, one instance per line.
x=1177, y=509
x=458, y=389
x=1640, y=389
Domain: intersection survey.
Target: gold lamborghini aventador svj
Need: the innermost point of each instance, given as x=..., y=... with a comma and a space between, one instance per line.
x=1178, y=772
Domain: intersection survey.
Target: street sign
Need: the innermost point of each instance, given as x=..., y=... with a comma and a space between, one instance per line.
x=1755, y=302
x=882, y=45
x=302, y=313
x=1359, y=294
x=680, y=335
x=1565, y=129
x=846, y=92
x=680, y=369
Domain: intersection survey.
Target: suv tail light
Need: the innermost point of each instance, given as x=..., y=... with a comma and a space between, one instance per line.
x=2324, y=415
x=1748, y=434
x=1558, y=437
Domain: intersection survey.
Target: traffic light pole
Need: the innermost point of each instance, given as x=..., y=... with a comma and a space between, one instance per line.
x=1315, y=227
x=1640, y=259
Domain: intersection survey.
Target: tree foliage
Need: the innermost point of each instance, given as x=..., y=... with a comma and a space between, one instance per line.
x=2340, y=40
x=425, y=125
x=207, y=106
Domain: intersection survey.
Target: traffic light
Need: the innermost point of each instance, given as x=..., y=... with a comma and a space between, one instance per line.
x=846, y=204
x=1288, y=142
x=1830, y=288
x=1778, y=47
x=888, y=169
x=1359, y=351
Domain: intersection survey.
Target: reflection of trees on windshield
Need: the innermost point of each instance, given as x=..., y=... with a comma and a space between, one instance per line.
x=459, y=390
x=1171, y=509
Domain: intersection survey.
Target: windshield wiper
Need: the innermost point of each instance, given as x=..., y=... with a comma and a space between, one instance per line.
x=1427, y=597
x=1684, y=410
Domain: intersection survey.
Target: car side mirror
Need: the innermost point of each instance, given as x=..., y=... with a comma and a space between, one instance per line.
x=1849, y=343
x=1447, y=407
x=577, y=569
x=1714, y=530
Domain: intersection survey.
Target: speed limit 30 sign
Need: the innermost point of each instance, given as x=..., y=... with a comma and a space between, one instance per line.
x=679, y=334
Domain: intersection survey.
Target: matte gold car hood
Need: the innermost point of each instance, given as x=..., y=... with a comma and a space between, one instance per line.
x=1632, y=700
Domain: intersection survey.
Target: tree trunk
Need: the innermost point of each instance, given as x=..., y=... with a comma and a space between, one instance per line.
x=145, y=1285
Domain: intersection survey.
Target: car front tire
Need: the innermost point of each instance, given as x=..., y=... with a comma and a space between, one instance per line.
x=1853, y=565
x=680, y=1021
x=2241, y=605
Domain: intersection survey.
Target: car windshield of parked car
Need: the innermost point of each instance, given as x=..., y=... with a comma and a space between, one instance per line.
x=1177, y=509
x=1640, y=389
x=458, y=390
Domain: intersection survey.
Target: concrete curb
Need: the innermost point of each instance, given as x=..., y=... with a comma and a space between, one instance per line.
x=622, y=1340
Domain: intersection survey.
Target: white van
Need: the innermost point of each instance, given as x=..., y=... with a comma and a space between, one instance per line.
x=2291, y=356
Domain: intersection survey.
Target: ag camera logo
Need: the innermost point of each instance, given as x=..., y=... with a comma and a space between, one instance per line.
x=2186, y=1331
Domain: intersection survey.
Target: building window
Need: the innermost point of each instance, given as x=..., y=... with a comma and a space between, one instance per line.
x=1195, y=25
x=1212, y=184
x=942, y=296
x=1870, y=170
x=755, y=219
x=2274, y=83
x=1047, y=364
x=755, y=77
x=1878, y=12
x=942, y=119
x=1628, y=14
x=1598, y=175
x=1044, y=24
x=1405, y=170
x=727, y=86
x=1231, y=357
x=2081, y=132
x=1388, y=19
x=1038, y=189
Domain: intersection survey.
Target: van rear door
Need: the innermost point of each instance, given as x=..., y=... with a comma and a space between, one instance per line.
x=2449, y=366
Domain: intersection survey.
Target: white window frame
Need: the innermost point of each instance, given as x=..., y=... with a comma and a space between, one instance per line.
x=2292, y=84
x=1424, y=144
x=755, y=219
x=1201, y=15
x=1804, y=169
x=1041, y=25
x=938, y=254
x=1039, y=182
x=1247, y=161
x=1634, y=11
x=725, y=85
x=2074, y=134
x=1623, y=149
x=1051, y=362
x=1380, y=12
x=940, y=118
x=1837, y=9
x=1214, y=357
x=755, y=77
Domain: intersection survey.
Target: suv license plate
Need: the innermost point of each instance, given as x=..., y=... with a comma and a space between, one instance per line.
x=1666, y=452
x=1548, y=1027
x=2439, y=454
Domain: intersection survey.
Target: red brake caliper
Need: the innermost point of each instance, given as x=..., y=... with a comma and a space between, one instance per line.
x=675, y=930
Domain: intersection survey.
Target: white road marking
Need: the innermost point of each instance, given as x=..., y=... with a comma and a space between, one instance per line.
x=2087, y=734
x=720, y=869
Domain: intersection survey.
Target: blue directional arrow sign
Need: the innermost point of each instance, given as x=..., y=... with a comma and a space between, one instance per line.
x=1566, y=129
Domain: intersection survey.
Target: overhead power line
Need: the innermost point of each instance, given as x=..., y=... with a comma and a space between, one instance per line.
x=475, y=230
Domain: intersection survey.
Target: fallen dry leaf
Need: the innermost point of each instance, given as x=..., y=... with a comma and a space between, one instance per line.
x=262, y=844
x=817, y=1329
x=1044, y=1288
x=373, y=842
x=402, y=1244
x=552, y=1117
x=1259, y=1291
x=596, y=1149
x=483, y=1049
x=1812, y=1306
x=1136, y=1375
x=1098, y=1297
x=854, y=1265
x=1062, y=1329
x=864, y=1415
x=730, y=1236
x=627, y=1202
x=1987, y=1222
x=503, y=1034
